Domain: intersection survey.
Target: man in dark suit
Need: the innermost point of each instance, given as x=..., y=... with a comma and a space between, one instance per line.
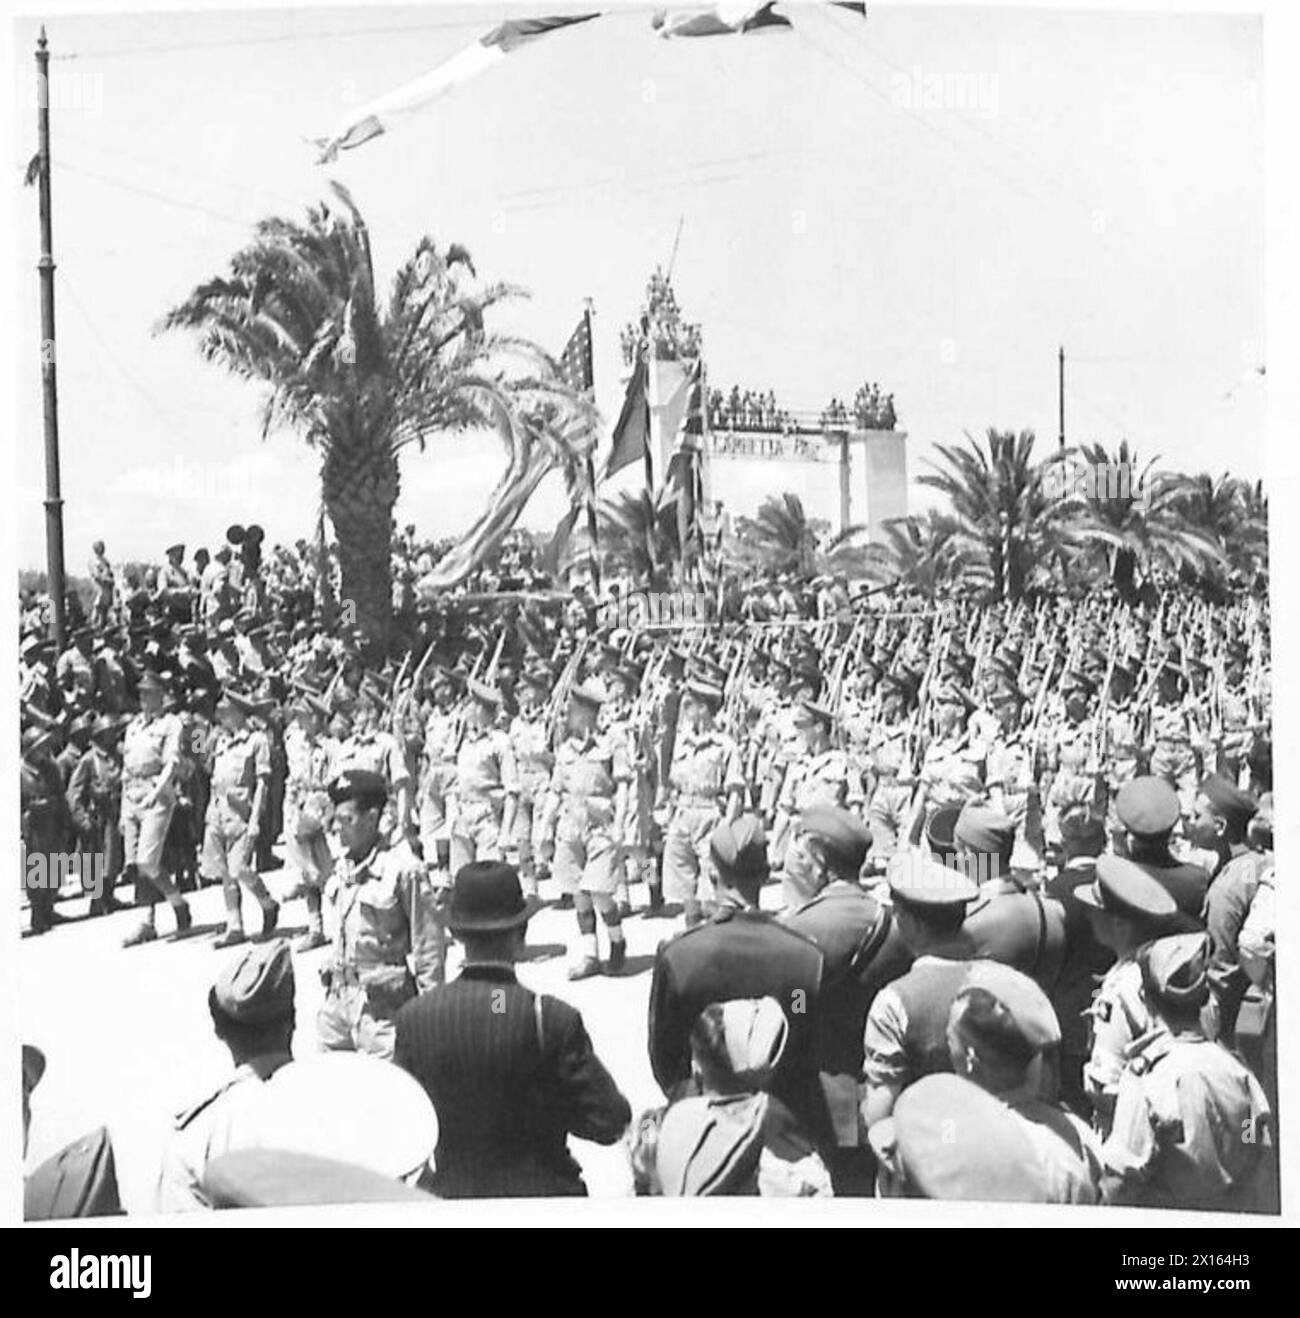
x=863, y=952
x=742, y=952
x=510, y=1073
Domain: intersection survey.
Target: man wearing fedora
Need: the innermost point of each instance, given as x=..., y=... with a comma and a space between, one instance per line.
x=151, y=757
x=241, y=770
x=511, y=1074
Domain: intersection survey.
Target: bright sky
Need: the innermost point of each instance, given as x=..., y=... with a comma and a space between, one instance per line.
x=934, y=199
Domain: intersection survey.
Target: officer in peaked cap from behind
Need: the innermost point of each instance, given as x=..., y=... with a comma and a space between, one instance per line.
x=906, y=1029
x=741, y=952
x=252, y=1008
x=1147, y=810
x=863, y=952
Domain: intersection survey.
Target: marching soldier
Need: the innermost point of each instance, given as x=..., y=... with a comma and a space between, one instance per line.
x=307, y=808
x=530, y=741
x=241, y=769
x=441, y=730
x=890, y=801
x=703, y=789
x=487, y=783
x=824, y=776
x=95, y=802
x=583, y=826
x=389, y=942
x=151, y=757
x=1174, y=736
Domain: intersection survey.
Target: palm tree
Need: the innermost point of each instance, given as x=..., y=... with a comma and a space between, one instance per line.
x=638, y=535
x=1009, y=510
x=360, y=382
x=781, y=536
x=1144, y=517
x=928, y=553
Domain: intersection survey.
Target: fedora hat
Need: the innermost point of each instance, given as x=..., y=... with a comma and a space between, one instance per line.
x=486, y=898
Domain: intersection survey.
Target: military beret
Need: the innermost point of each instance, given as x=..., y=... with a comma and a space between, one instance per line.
x=275, y=1178
x=956, y=1141
x=811, y=712
x=918, y=879
x=1228, y=800
x=1123, y=888
x=1175, y=970
x=349, y=1107
x=841, y=833
x=1147, y=806
x=981, y=829
x=257, y=986
x=1004, y=1010
x=739, y=848
x=709, y=1145
x=368, y=790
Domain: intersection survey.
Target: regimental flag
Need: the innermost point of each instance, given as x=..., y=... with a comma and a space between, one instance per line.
x=684, y=481
x=731, y=17
x=632, y=429
x=379, y=116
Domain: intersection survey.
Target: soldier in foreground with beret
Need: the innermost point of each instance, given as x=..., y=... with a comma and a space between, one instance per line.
x=384, y=914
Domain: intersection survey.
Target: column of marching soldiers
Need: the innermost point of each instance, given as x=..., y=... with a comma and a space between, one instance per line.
x=1024, y=859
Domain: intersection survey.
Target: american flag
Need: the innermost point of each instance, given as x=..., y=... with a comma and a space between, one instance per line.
x=575, y=361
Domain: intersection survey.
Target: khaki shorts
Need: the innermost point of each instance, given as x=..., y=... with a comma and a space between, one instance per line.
x=588, y=864
x=144, y=832
x=688, y=864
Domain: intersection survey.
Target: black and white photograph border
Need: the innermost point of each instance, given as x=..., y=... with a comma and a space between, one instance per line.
x=543, y=491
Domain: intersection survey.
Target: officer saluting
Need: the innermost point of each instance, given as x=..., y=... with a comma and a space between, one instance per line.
x=384, y=914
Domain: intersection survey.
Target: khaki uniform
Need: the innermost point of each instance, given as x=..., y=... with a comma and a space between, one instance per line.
x=486, y=775
x=891, y=799
x=440, y=735
x=384, y=914
x=307, y=809
x=530, y=741
x=1119, y=1017
x=580, y=809
x=706, y=768
x=1191, y=1129
x=829, y=778
x=240, y=761
x=201, y=1133
x=149, y=747
x=1173, y=754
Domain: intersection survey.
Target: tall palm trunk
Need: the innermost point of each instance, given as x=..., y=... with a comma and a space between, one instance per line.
x=360, y=490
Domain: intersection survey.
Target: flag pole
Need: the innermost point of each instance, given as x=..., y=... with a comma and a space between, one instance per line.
x=589, y=377
x=50, y=397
